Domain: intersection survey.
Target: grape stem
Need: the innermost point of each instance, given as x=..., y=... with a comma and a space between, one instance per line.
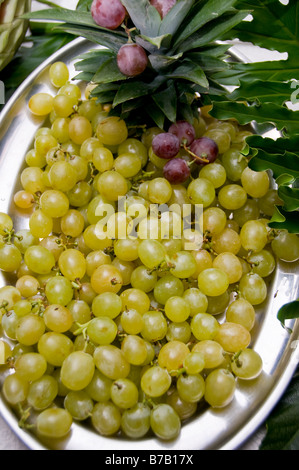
x=201, y=159
x=25, y=415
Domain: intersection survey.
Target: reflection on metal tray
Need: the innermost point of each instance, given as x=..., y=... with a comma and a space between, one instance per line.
x=213, y=429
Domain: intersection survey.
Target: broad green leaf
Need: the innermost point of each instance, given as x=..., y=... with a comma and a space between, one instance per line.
x=189, y=70
x=144, y=16
x=280, y=145
x=282, y=220
x=207, y=62
x=280, y=116
x=108, y=72
x=64, y=15
x=162, y=62
x=129, y=91
x=200, y=15
x=290, y=196
x=283, y=424
x=166, y=100
x=288, y=311
x=84, y=5
x=93, y=60
x=286, y=164
x=262, y=92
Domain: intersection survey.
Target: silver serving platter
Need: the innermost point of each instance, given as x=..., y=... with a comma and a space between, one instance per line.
x=225, y=429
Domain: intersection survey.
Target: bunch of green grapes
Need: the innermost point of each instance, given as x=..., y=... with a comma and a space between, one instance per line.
x=113, y=320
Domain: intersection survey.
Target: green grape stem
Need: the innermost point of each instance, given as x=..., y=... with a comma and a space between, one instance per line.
x=201, y=159
x=25, y=415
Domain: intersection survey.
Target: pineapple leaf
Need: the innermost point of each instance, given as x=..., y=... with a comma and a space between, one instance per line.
x=108, y=72
x=144, y=16
x=175, y=17
x=161, y=62
x=189, y=70
x=159, y=42
x=166, y=100
x=128, y=91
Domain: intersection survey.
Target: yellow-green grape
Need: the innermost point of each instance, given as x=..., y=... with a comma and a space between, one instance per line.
x=5, y=352
x=72, y=264
x=234, y=163
x=194, y=363
x=54, y=423
x=177, y=309
x=30, y=329
x=89, y=109
x=227, y=240
x=72, y=223
x=53, y=244
x=15, y=389
x=143, y=279
x=241, y=311
x=255, y=183
x=220, y=388
x=213, y=220
x=204, y=326
x=165, y=422
x=106, y=418
x=88, y=147
x=106, y=278
x=151, y=253
x=60, y=129
x=154, y=326
x=134, y=349
x=63, y=106
x=229, y=263
x=22, y=308
x=183, y=265
x=79, y=405
x=72, y=90
x=40, y=224
x=31, y=366
x=107, y=304
x=44, y=143
x=262, y=263
x=77, y=370
x=59, y=290
x=213, y=282
x=166, y=287
x=55, y=347
x=286, y=246
x=135, y=422
x=131, y=321
x=103, y=159
x=254, y=235
x=214, y=172
x=33, y=158
x=58, y=318
x=39, y=259
x=42, y=392
x=94, y=259
x=191, y=388
x=184, y=409
x=178, y=332
x=233, y=337
x=159, y=191
x=128, y=165
x=23, y=199
x=111, y=362
x=99, y=389
x=10, y=258
x=112, y=131
x=247, y=364
x=80, y=129
x=59, y=74
x=212, y=351
x=232, y=196
x=102, y=330
x=155, y=381
x=112, y=185
x=32, y=180
x=62, y=176
x=197, y=301
x=41, y=104
x=172, y=355
x=203, y=261
x=253, y=288
x=136, y=147
x=221, y=137
x=124, y=393
x=201, y=191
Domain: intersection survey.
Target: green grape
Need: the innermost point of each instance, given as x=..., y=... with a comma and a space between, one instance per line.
x=80, y=194
x=31, y=366
x=135, y=422
x=111, y=361
x=59, y=74
x=165, y=422
x=102, y=330
x=184, y=409
x=233, y=337
x=44, y=143
x=128, y=165
x=9, y=324
x=23, y=239
x=15, y=389
x=112, y=185
x=60, y=129
x=221, y=137
x=10, y=258
x=54, y=203
x=112, y=131
x=72, y=264
x=250, y=211
x=144, y=279
x=94, y=259
x=6, y=223
x=106, y=278
x=204, y=326
x=214, y=172
x=203, y=261
x=155, y=381
x=262, y=263
x=268, y=202
x=218, y=303
x=166, y=287
x=154, y=326
x=42, y=392
x=134, y=349
x=227, y=240
x=254, y=235
x=197, y=301
x=194, y=363
x=178, y=332
x=79, y=405
x=124, y=393
x=80, y=129
x=40, y=224
x=33, y=158
x=62, y=176
x=241, y=311
x=172, y=355
x=55, y=347
x=211, y=351
x=29, y=329
x=32, y=180
x=253, y=288
x=9, y=296
x=63, y=106
x=77, y=370
x=151, y=253
x=89, y=108
x=107, y=304
x=39, y=259
x=58, y=318
x=213, y=282
x=232, y=196
x=131, y=321
x=135, y=299
x=213, y=220
x=247, y=364
x=220, y=388
x=136, y=147
x=183, y=265
x=286, y=246
x=159, y=191
x=126, y=249
x=229, y=263
x=59, y=290
x=22, y=308
x=102, y=159
x=54, y=423
x=255, y=183
x=99, y=388
x=201, y=191
x=72, y=223
x=191, y=388
x=177, y=309
x=234, y=163
x=106, y=418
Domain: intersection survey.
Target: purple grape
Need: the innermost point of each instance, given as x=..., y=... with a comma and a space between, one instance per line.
x=163, y=6
x=132, y=59
x=166, y=145
x=184, y=131
x=176, y=171
x=109, y=14
x=204, y=150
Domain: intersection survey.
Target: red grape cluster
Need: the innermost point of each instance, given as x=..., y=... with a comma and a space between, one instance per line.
x=167, y=145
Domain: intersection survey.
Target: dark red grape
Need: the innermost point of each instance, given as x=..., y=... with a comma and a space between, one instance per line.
x=184, y=131
x=176, y=171
x=205, y=149
x=109, y=14
x=163, y=6
x=166, y=145
x=132, y=59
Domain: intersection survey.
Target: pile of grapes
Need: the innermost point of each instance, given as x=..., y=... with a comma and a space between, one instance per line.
x=112, y=320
